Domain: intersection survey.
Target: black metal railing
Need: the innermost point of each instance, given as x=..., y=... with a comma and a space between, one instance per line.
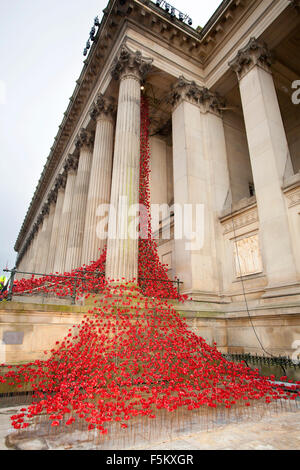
x=75, y=278
x=284, y=362
x=80, y=277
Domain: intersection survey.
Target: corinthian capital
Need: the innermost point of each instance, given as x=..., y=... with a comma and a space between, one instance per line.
x=84, y=138
x=185, y=90
x=103, y=107
x=60, y=182
x=71, y=163
x=254, y=53
x=130, y=63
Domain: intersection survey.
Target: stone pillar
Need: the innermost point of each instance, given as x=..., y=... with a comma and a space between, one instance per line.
x=100, y=182
x=60, y=191
x=64, y=226
x=47, y=234
x=39, y=225
x=122, y=251
x=84, y=143
x=33, y=250
x=270, y=158
x=201, y=179
x=40, y=255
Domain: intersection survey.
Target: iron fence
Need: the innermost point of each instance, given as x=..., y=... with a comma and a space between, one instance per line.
x=82, y=277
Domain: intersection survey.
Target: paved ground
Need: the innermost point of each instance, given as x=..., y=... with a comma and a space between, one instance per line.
x=271, y=432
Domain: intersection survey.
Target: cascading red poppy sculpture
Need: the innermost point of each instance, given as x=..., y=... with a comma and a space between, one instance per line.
x=132, y=355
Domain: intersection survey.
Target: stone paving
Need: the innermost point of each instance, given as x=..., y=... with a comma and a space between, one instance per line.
x=274, y=431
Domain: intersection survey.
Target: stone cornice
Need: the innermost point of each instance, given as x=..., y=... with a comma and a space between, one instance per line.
x=254, y=53
x=130, y=63
x=186, y=40
x=185, y=90
x=103, y=107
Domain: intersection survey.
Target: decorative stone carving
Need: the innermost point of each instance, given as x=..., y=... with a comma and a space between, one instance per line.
x=246, y=218
x=293, y=197
x=103, y=106
x=84, y=138
x=71, y=163
x=130, y=63
x=45, y=210
x=254, y=53
x=61, y=181
x=247, y=256
x=195, y=94
x=52, y=197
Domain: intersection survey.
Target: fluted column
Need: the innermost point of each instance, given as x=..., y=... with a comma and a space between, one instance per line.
x=47, y=235
x=94, y=238
x=84, y=143
x=270, y=158
x=32, y=251
x=60, y=188
x=122, y=250
x=64, y=225
x=39, y=262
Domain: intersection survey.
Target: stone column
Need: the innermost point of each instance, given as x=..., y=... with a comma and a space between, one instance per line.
x=39, y=225
x=33, y=249
x=270, y=158
x=201, y=179
x=122, y=251
x=63, y=232
x=84, y=144
x=60, y=192
x=47, y=233
x=40, y=255
x=100, y=182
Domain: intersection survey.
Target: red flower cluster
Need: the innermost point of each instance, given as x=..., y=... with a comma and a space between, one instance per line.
x=132, y=354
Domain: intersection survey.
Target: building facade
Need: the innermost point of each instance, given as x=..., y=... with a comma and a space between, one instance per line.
x=225, y=133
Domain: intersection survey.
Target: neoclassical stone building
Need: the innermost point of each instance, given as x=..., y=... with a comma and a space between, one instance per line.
x=225, y=132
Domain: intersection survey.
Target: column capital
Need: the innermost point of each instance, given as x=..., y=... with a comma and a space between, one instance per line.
x=52, y=197
x=130, y=64
x=206, y=100
x=61, y=181
x=45, y=209
x=84, y=138
x=254, y=53
x=71, y=163
x=103, y=107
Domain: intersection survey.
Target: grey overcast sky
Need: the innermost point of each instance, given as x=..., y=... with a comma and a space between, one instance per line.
x=41, y=44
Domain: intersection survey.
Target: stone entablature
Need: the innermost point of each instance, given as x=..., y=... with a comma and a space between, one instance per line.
x=291, y=190
x=242, y=215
